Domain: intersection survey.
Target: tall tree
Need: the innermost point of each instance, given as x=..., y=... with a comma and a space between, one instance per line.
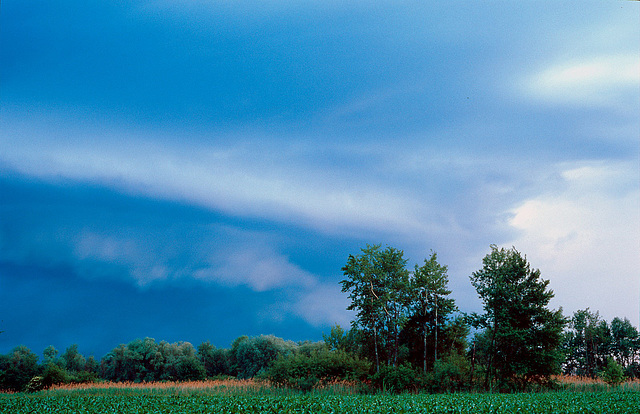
x=377, y=281
x=50, y=355
x=624, y=341
x=72, y=360
x=17, y=368
x=524, y=334
x=431, y=305
x=586, y=341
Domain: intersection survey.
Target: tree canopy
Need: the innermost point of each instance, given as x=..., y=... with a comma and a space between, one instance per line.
x=523, y=334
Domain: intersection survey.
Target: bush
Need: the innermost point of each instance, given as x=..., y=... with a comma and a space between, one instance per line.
x=35, y=384
x=84, y=377
x=304, y=371
x=612, y=374
x=449, y=374
x=254, y=356
x=18, y=368
x=398, y=379
x=53, y=374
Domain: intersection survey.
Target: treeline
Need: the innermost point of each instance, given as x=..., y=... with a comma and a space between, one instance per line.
x=407, y=335
x=590, y=343
x=146, y=360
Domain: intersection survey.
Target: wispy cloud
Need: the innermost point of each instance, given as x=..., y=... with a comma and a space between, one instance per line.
x=260, y=182
x=252, y=259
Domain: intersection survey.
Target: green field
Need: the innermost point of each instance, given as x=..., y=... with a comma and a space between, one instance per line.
x=151, y=402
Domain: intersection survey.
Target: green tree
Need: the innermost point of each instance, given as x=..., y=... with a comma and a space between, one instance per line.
x=17, y=368
x=525, y=335
x=255, y=355
x=336, y=338
x=612, y=374
x=51, y=355
x=115, y=365
x=145, y=360
x=624, y=346
x=72, y=360
x=377, y=281
x=215, y=361
x=431, y=305
x=304, y=370
x=587, y=344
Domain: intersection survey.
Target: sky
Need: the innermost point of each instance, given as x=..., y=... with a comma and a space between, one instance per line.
x=192, y=170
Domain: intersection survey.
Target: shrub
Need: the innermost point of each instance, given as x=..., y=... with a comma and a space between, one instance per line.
x=35, y=384
x=304, y=371
x=450, y=374
x=18, y=368
x=398, y=379
x=612, y=374
x=53, y=374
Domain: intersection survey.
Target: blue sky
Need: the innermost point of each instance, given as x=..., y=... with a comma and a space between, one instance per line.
x=197, y=170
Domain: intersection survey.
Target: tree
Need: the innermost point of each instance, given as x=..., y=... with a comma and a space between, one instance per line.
x=525, y=335
x=72, y=360
x=50, y=355
x=430, y=303
x=624, y=344
x=17, y=368
x=304, y=370
x=377, y=282
x=613, y=374
x=587, y=344
x=215, y=361
x=254, y=355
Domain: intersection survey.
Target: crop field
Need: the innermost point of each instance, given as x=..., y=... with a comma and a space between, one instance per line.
x=175, y=400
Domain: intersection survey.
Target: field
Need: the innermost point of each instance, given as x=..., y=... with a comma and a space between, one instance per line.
x=256, y=397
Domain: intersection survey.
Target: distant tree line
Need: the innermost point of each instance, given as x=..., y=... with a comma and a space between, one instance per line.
x=407, y=335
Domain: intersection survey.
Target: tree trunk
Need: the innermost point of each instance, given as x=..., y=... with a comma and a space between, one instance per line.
x=435, y=348
x=375, y=346
x=424, y=355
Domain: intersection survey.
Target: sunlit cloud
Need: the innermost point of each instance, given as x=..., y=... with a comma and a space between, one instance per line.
x=584, y=235
x=601, y=80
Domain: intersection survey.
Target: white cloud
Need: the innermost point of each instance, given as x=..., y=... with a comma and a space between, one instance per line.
x=258, y=266
x=585, y=237
x=256, y=182
x=601, y=80
x=325, y=304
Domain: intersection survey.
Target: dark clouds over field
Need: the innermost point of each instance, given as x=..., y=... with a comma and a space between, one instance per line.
x=192, y=170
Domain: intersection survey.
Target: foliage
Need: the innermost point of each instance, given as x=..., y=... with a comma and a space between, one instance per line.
x=17, y=368
x=51, y=355
x=254, y=355
x=72, y=360
x=613, y=374
x=430, y=310
x=304, y=371
x=35, y=384
x=525, y=335
x=147, y=360
x=215, y=361
x=399, y=379
x=54, y=374
x=625, y=341
x=586, y=344
x=377, y=282
x=450, y=374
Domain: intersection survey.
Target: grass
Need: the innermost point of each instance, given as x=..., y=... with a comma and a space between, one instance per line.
x=577, y=395
x=79, y=401
x=572, y=383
